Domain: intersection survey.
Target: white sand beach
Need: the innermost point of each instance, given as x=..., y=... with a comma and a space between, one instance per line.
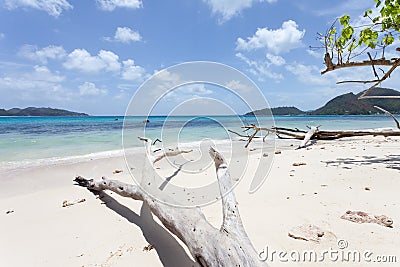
x=350, y=174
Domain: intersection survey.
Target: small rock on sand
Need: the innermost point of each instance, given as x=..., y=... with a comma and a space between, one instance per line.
x=117, y=171
x=363, y=217
x=307, y=232
x=299, y=163
x=278, y=152
x=148, y=247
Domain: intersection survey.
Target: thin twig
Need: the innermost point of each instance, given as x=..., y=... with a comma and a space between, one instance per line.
x=387, y=112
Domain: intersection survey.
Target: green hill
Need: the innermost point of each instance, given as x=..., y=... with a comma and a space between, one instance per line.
x=3, y=112
x=276, y=111
x=349, y=104
x=32, y=111
x=346, y=104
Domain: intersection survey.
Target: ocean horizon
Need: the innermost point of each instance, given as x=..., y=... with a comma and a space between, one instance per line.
x=27, y=141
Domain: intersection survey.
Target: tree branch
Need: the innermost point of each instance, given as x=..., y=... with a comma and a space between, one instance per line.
x=376, y=62
x=373, y=65
x=364, y=82
x=395, y=64
x=387, y=112
x=160, y=155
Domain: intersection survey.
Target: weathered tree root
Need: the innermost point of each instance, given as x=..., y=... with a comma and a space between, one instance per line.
x=209, y=246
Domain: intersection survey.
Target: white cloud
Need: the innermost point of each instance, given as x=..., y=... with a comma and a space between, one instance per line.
x=309, y=74
x=37, y=86
x=276, y=60
x=40, y=78
x=163, y=81
x=260, y=69
x=110, y=60
x=52, y=7
x=82, y=60
x=125, y=35
x=316, y=54
x=167, y=76
x=186, y=92
x=231, y=8
x=132, y=72
x=41, y=55
x=42, y=73
x=88, y=88
x=238, y=86
x=110, y=5
x=195, y=89
x=278, y=41
x=342, y=8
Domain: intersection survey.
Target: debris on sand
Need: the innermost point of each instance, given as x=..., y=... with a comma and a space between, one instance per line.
x=67, y=203
x=299, y=164
x=117, y=171
x=307, y=232
x=363, y=217
x=148, y=247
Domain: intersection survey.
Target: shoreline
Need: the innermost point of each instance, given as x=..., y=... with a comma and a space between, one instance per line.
x=332, y=181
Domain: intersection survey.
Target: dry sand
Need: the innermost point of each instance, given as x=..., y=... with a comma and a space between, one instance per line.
x=343, y=175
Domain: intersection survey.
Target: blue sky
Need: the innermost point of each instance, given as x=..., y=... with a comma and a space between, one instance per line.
x=92, y=55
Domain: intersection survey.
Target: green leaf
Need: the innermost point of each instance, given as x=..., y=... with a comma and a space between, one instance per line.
x=388, y=39
x=367, y=12
x=347, y=32
x=376, y=19
x=344, y=20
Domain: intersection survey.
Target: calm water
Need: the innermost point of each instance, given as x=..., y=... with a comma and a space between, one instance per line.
x=24, y=140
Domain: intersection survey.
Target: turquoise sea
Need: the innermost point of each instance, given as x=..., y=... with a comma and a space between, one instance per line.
x=37, y=140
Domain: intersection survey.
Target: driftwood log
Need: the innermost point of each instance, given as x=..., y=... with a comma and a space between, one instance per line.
x=314, y=133
x=209, y=246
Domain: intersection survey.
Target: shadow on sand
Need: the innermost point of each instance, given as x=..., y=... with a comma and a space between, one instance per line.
x=390, y=161
x=170, y=252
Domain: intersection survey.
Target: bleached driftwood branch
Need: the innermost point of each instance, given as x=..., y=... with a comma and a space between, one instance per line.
x=314, y=133
x=158, y=154
x=209, y=246
x=307, y=137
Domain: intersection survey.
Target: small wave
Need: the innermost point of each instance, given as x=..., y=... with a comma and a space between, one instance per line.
x=10, y=165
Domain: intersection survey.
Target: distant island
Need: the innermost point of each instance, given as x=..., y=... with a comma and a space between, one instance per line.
x=346, y=104
x=32, y=111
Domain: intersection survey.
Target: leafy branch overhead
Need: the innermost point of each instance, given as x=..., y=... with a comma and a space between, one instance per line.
x=344, y=41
